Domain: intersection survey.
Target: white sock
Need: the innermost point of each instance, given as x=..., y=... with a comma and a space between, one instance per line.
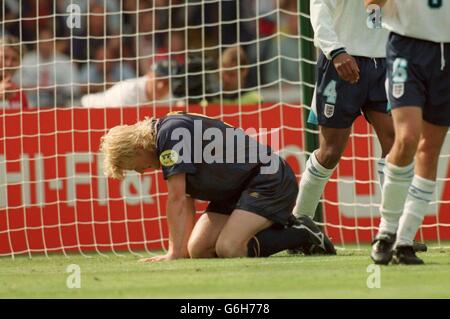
x=380, y=169
x=395, y=188
x=419, y=196
x=311, y=187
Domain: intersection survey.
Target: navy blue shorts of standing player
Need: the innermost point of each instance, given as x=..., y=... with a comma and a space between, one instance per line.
x=419, y=75
x=337, y=103
x=271, y=196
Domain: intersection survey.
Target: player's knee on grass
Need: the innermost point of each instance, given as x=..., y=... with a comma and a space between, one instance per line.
x=228, y=248
x=198, y=249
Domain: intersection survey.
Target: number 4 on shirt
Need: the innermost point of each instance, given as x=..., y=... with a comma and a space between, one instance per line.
x=330, y=92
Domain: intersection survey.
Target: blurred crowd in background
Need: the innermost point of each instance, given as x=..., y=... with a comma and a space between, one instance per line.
x=70, y=49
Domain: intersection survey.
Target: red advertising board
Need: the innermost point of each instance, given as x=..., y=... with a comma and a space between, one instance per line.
x=53, y=195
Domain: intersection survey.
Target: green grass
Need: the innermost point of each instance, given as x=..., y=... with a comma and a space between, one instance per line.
x=281, y=276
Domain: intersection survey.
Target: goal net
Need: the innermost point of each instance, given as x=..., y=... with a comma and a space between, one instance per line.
x=72, y=69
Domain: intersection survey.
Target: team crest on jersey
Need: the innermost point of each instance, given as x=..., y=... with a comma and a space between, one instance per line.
x=254, y=194
x=168, y=158
x=398, y=89
x=329, y=110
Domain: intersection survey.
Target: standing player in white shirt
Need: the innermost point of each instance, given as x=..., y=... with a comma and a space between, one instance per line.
x=351, y=74
x=418, y=54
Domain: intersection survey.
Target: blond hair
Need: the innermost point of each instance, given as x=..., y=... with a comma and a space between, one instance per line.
x=120, y=144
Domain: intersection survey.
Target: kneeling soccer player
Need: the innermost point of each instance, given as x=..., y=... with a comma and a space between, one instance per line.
x=250, y=197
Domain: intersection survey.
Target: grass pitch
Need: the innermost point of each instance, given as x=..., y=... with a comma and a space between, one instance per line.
x=280, y=276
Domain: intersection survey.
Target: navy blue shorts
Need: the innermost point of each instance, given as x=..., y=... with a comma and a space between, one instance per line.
x=419, y=75
x=337, y=103
x=271, y=196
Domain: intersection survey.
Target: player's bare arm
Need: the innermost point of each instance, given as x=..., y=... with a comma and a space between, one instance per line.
x=330, y=41
x=180, y=219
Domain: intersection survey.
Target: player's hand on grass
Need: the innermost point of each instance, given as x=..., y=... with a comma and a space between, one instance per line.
x=158, y=258
x=346, y=67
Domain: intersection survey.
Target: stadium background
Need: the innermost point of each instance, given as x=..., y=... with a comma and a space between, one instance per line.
x=53, y=197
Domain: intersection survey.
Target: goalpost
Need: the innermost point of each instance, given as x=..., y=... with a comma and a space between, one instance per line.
x=53, y=195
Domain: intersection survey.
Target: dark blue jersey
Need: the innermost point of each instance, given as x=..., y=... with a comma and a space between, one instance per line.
x=218, y=159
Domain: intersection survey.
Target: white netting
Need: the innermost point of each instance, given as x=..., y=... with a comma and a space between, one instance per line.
x=87, y=65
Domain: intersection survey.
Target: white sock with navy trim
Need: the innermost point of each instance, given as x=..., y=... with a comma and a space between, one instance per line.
x=420, y=194
x=395, y=189
x=311, y=187
x=380, y=169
